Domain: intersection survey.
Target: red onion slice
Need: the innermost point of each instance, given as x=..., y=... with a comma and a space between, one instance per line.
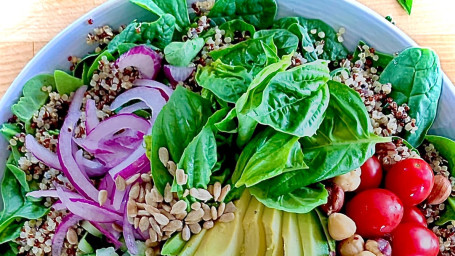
x=156, y=85
x=58, y=206
x=146, y=60
x=108, y=235
x=42, y=193
x=60, y=233
x=177, y=74
x=70, y=168
x=128, y=231
x=42, y=153
x=133, y=108
x=91, y=119
x=131, y=164
x=93, y=168
x=149, y=96
x=88, y=209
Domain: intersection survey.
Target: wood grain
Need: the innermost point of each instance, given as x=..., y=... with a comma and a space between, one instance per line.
x=27, y=25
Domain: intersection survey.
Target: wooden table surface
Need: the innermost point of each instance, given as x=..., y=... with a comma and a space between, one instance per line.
x=27, y=25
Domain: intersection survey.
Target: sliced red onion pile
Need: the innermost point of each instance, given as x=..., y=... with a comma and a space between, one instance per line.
x=114, y=148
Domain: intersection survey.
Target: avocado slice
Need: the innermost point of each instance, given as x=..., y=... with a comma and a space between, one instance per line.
x=226, y=239
x=192, y=246
x=271, y=220
x=291, y=236
x=312, y=235
x=254, y=242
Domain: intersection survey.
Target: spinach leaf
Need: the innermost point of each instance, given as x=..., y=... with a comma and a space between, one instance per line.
x=332, y=50
x=20, y=175
x=259, y=13
x=178, y=123
x=301, y=200
x=294, y=101
x=96, y=63
x=416, y=79
x=285, y=41
x=406, y=4
x=66, y=83
x=81, y=67
x=11, y=232
x=249, y=54
x=247, y=125
x=305, y=41
x=200, y=156
x=225, y=81
x=8, y=130
x=449, y=213
x=269, y=154
x=182, y=53
x=15, y=205
x=446, y=148
x=383, y=58
x=237, y=26
x=33, y=97
x=158, y=33
x=177, y=8
x=343, y=142
x=228, y=124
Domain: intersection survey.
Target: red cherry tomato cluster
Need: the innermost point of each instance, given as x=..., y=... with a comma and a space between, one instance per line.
x=385, y=206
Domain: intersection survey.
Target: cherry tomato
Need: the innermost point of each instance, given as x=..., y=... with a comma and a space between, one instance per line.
x=411, y=239
x=376, y=212
x=371, y=176
x=411, y=180
x=412, y=214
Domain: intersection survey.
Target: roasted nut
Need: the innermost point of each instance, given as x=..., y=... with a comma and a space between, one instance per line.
x=335, y=200
x=351, y=246
x=341, y=226
x=441, y=190
x=349, y=181
x=379, y=246
x=365, y=253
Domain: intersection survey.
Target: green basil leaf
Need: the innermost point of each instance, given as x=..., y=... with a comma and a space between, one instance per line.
x=416, y=79
x=285, y=41
x=237, y=26
x=228, y=124
x=259, y=13
x=305, y=41
x=301, y=200
x=200, y=156
x=33, y=97
x=66, y=83
x=249, y=54
x=406, y=4
x=182, y=53
x=269, y=154
x=294, y=101
x=20, y=176
x=225, y=81
x=158, y=33
x=178, y=123
x=11, y=232
x=177, y=8
x=446, y=148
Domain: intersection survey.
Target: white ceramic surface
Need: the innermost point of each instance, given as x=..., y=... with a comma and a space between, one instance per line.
x=359, y=21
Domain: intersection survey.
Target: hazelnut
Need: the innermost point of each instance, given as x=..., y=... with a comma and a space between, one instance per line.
x=341, y=226
x=441, y=190
x=365, y=253
x=335, y=200
x=349, y=181
x=351, y=246
x=379, y=246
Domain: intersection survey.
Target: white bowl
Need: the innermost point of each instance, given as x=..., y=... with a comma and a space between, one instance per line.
x=360, y=22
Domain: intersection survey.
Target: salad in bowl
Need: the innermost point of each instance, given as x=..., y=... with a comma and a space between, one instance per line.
x=219, y=129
